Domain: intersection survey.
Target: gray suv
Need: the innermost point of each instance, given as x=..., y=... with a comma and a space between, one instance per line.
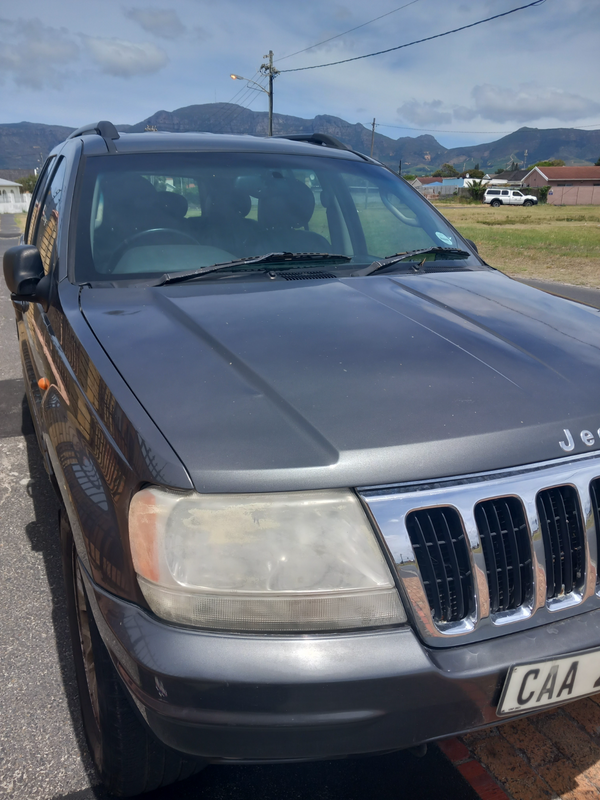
x=329, y=483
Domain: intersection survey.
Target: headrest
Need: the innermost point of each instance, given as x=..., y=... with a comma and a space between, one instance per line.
x=172, y=203
x=285, y=203
x=220, y=197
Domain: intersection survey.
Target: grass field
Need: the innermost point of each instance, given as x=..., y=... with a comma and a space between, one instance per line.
x=556, y=243
x=20, y=221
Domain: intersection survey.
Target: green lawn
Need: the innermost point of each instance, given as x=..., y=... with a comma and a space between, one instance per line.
x=559, y=243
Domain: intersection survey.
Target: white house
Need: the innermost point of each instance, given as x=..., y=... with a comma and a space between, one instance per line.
x=11, y=199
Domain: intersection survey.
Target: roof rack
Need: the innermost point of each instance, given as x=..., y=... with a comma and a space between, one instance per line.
x=104, y=128
x=323, y=139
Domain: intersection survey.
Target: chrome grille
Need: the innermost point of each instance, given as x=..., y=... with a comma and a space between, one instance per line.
x=443, y=556
x=480, y=555
x=506, y=548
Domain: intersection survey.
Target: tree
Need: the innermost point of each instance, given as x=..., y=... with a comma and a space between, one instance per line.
x=514, y=166
x=446, y=171
x=597, y=164
x=473, y=173
x=28, y=182
x=499, y=170
x=409, y=177
x=553, y=162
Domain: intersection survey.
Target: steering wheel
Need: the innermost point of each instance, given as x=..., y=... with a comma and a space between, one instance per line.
x=155, y=235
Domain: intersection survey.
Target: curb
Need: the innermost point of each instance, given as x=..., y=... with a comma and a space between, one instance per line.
x=471, y=770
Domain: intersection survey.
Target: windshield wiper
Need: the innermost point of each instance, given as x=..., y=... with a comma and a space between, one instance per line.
x=448, y=252
x=285, y=259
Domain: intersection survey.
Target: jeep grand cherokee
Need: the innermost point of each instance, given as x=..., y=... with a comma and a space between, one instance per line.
x=330, y=483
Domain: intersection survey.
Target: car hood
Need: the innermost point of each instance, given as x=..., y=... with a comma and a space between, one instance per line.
x=361, y=381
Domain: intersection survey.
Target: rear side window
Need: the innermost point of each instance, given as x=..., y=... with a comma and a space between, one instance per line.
x=504, y=191
x=47, y=231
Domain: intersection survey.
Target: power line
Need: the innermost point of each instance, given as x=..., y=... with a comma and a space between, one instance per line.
x=227, y=114
x=428, y=130
x=337, y=36
x=418, y=41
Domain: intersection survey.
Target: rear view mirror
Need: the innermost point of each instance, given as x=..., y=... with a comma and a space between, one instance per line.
x=23, y=270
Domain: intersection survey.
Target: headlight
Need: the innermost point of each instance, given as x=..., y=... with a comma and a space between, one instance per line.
x=261, y=562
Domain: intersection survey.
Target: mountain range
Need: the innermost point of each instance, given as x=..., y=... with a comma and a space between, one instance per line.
x=24, y=145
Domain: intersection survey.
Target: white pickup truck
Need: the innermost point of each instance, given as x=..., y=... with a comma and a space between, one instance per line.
x=509, y=197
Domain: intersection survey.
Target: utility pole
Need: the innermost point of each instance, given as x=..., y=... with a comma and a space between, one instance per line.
x=372, y=136
x=269, y=70
x=525, y=154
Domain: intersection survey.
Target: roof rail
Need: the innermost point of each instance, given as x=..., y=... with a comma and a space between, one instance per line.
x=104, y=128
x=323, y=139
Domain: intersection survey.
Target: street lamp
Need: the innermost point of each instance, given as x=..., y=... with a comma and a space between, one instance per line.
x=266, y=69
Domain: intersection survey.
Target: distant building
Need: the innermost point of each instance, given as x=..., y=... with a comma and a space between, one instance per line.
x=508, y=178
x=428, y=185
x=11, y=199
x=569, y=186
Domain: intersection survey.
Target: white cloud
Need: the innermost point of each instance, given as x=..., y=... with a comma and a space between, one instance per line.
x=126, y=59
x=530, y=102
x=33, y=53
x=425, y=114
x=162, y=22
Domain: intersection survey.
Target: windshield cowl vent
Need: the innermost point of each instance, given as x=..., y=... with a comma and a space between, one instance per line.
x=306, y=276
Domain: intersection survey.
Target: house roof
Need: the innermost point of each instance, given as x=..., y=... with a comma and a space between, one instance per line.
x=569, y=173
x=9, y=183
x=514, y=175
x=428, y=179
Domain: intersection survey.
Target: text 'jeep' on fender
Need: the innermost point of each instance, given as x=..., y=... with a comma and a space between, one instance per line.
x=330, y=483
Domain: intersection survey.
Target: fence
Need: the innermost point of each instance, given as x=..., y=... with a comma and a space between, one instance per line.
x=11, y=205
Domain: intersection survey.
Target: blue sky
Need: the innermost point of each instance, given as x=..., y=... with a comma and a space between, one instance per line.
x=75, y=61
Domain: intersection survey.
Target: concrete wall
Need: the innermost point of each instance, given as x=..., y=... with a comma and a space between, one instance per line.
x=574, y=195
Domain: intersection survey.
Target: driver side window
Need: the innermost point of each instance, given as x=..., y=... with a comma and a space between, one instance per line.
x=47, y=231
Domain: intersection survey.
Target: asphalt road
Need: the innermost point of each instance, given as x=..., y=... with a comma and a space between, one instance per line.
x=43, y=755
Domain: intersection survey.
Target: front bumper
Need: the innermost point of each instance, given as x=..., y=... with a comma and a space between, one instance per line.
x=238, y=697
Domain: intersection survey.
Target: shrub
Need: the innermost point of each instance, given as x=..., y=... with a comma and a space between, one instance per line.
x=477, y=190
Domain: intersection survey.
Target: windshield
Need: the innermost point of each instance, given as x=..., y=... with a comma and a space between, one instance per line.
x=147, y=214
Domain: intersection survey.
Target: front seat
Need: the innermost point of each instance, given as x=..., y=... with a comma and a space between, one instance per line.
x=285, y=207
x=223, y=223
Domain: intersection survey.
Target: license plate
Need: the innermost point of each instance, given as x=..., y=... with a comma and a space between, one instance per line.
x=548, y=683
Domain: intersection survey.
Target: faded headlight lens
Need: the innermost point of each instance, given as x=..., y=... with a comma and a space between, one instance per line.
x=261, y=562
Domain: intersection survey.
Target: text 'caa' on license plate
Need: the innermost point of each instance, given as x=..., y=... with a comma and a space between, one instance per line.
x=547, y=683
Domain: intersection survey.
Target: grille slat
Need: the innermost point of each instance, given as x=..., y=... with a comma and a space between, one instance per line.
x=506, y=548
x=595, y=495
x=442, y=554
x=516, y=564
x=503, y=566
x=563, y=537
x=427, y=570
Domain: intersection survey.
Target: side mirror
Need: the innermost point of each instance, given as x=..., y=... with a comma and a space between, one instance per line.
x=473, y=245
x=24, y=275
x=23, y=270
